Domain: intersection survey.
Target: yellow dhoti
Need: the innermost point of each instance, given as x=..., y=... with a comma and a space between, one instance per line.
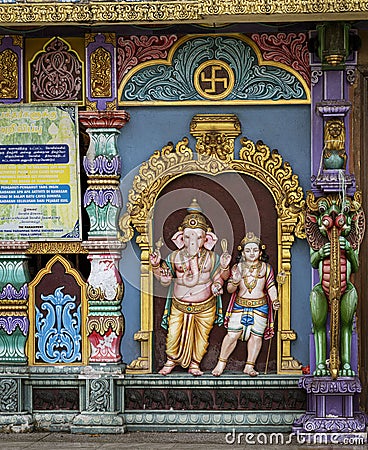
x=189, y=327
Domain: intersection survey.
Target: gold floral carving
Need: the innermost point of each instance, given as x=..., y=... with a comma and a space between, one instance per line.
x=89, y=38
x=96, y=294
x=111, y=106
x=257, y=161
x=201, y=11
x=101, y=76
x=101, y=324
x=17, y=40
x=215, y=145
x=91, y=106
x=53, y=248
x=8, y=74
x=269, y=168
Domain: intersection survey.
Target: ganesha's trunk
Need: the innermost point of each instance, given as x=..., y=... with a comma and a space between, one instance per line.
x=191, y=277
x=334, y=297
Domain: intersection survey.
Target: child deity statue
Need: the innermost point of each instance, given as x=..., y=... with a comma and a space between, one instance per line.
x=249, y=316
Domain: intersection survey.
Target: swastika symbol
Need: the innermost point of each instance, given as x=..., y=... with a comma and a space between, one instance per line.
x=214, y=79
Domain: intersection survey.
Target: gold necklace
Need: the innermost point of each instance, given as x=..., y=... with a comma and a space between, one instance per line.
x=202, y=258
x=250, y=285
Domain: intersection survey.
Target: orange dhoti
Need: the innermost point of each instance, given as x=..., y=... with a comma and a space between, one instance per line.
x=189, y=327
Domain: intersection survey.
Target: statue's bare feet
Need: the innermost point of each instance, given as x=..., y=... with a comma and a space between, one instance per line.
x=220, y=367
x=249, y=370
x=168, y=367
x=195, y=370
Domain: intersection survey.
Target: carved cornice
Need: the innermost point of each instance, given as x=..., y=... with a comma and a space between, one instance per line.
x=204, y=11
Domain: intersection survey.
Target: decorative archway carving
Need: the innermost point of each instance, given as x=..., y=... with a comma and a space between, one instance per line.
x=215, y=136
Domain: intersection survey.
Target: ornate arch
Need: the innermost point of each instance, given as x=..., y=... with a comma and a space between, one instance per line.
x=215, y=136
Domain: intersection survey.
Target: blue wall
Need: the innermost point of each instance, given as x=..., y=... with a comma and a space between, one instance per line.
x=282, y=127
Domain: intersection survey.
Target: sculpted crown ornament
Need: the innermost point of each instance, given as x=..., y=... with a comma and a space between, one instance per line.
x=249, y=238
x=195, y=218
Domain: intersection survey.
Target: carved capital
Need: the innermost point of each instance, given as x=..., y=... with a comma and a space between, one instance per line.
x=104, y=119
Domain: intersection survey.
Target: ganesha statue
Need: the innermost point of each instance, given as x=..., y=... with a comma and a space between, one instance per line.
x=335, y=228
x=195, y=275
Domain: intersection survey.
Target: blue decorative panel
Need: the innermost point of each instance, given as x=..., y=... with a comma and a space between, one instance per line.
x=213, y=68
x=58, y=329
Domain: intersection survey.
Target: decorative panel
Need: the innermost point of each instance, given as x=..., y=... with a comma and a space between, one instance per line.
x=214, y=399
x=11, y=69
x=56, y=73
x=100, y=71
x=55, y=399
x=208, y=68
x=57, y=315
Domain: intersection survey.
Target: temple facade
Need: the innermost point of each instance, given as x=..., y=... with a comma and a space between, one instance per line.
x=114, y=117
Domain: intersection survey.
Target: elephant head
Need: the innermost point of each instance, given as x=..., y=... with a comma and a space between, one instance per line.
x=193, y=236
x=194, y=239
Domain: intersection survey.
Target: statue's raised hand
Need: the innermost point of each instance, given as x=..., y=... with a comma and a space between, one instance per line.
x=236, y=274
x=155, y=258
x=225, y=259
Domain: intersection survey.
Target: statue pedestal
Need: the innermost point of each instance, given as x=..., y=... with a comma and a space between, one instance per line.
x=332, y=409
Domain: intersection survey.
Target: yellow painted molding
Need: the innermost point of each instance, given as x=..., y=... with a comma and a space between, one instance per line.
x=207, y=12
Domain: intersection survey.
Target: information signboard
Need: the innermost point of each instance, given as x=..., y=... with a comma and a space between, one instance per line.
x=39, y=173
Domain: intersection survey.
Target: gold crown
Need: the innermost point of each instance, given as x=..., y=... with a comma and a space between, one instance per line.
x=249, y=238
x=194, y=219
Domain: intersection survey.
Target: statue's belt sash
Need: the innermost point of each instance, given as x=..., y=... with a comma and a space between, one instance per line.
x=193, y=308
x=251, y=302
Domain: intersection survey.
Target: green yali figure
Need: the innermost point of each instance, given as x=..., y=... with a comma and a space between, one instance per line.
x=335, y=229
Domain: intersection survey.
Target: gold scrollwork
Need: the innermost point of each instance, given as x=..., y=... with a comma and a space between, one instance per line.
x=268, y=167
x=101, y=324
x=94, y=293
x=291, y=365
x=288, y=335
x=54, y=248
x=257, y=161
x=139, y=365
x=91, y=106
x=204, y=11
x=215, y=144
x=161, y=167
x=101, y=75
x=8, y=74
